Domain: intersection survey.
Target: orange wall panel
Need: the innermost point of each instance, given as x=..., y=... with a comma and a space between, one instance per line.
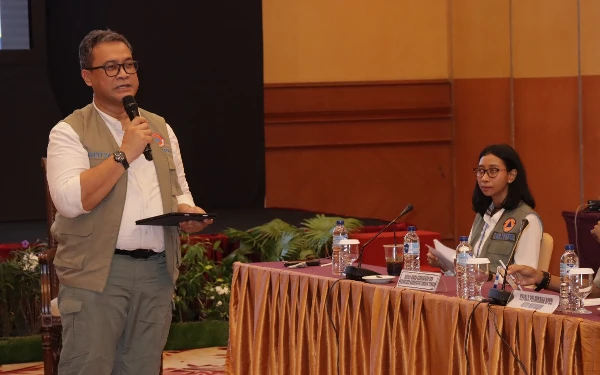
x=361, y=149
x=481, y=117
x=544, y=38
x=366, y=181
x=330, y=97
x=546, y=136
x=590, y=37
x=591, y=137
x=354, y=132
x=354, y=40
x=480, y=39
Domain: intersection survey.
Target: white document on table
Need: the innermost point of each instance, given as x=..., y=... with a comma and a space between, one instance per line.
x=444, y=254
x=591, y=302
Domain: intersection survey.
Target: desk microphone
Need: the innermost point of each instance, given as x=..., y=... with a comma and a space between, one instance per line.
x=357, y=273
x=132, y=110
x=501, y=296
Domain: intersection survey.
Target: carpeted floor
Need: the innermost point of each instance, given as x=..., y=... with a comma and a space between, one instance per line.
x=207, y=361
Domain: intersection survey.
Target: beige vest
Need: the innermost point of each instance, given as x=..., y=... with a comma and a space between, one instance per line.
x=86, y=243
x=498, y=245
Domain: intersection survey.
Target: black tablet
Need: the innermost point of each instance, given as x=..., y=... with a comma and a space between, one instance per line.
x=173, y=219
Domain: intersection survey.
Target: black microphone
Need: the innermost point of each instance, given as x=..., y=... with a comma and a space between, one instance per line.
x=357, y=273
x=501, y=296
x=132, y=110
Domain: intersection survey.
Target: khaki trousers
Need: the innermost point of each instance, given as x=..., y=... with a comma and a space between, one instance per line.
x=123, y=330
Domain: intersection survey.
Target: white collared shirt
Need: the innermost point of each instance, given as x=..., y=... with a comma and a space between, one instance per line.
x=528, y=249
x=67, y=159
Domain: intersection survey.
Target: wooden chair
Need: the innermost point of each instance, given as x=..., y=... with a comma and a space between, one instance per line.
x=51, y=324
x=545, y=252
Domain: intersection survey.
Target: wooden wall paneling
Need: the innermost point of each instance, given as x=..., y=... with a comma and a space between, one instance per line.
x=544, y=38
x=391, y=141
x=481, y=117
x=302, y=99
x=367, y=181
x=356, y=132
x=480, y=39
x=547, y=138
x=589, y=14
x=591, y=137
x=354, y=40
x=590, y=69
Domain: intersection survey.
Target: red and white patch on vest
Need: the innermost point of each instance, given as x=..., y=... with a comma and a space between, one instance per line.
x=158, y=139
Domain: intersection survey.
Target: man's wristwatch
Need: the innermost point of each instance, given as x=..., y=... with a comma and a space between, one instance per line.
x=120, y=158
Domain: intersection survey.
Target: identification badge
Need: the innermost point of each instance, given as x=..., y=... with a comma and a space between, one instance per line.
x=546, y=303
x=425, y=281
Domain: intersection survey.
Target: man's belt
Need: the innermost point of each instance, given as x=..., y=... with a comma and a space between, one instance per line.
x=139, y=253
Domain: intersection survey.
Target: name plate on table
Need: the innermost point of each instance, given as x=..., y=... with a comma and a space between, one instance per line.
x=534, y=301
x=425, y=281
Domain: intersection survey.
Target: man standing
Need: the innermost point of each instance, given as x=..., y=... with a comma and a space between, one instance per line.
x=117, y=278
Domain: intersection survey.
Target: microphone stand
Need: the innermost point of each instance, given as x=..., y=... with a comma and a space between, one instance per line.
x=357, y=273
x=501, y=296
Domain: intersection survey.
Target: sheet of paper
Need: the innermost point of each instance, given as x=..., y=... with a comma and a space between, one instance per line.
x=591, y=301
x=444, y=254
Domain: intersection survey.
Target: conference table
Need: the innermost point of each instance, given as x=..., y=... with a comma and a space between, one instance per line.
x=307, y=321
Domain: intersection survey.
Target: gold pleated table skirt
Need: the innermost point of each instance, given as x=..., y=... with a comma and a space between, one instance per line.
x=302, y=321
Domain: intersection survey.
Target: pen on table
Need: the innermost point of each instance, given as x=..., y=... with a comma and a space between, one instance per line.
x=326, y=264
x=298, y=265
x=496, y=280
x=514, y=281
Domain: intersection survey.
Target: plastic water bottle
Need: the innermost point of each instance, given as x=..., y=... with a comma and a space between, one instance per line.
x=412, y=250
x=337, y=259
x=568, y=300
x=464, y=251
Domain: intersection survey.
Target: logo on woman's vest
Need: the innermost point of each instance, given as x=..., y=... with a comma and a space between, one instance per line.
x=509, y=224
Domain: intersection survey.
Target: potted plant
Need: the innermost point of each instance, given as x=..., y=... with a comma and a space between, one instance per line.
x=20, y=310
x=202, y=296
x=20, y=306
x=278, y=240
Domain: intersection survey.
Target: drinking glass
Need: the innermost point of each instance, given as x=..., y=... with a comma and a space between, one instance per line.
x=478, y=270
x=581, y=280
x=394, y=259
x=349, y=252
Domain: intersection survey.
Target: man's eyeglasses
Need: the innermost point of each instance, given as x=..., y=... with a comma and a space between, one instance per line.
x=491, y=172
x=113, y=69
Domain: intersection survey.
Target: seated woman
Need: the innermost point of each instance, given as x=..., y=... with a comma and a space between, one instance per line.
x=502, y=199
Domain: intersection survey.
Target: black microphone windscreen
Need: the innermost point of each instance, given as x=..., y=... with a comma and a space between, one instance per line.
x=130, y=106
x=133, y=111
x=129, y=100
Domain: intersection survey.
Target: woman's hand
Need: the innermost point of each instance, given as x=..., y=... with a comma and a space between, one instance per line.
x=434, y=261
